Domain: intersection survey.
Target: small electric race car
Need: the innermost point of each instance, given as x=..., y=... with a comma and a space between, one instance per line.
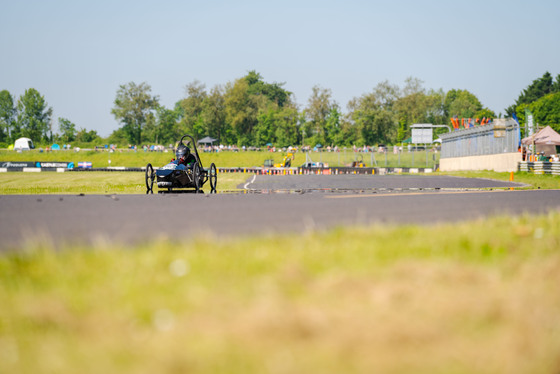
x=185, y=173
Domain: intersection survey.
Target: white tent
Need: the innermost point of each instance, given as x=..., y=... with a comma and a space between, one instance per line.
x=23, y=144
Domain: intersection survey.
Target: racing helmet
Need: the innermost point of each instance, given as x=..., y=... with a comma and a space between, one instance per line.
x=182, y=152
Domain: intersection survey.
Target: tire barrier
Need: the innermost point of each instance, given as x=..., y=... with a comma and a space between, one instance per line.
x=540, y=167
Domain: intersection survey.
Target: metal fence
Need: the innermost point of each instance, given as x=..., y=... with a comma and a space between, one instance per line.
x=499, y=136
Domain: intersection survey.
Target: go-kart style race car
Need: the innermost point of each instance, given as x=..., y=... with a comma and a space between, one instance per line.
x=183, y=174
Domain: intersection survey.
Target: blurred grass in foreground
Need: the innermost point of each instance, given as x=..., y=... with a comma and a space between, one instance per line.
x=473, y=297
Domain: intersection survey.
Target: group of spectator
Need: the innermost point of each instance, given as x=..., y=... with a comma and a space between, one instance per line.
x=539, y=156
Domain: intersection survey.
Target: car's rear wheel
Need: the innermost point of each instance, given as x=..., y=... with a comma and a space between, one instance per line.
x=150, y=176
x=213, y=176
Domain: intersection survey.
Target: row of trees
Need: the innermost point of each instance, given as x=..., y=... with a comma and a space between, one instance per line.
x=31, y=117
x=250, y=111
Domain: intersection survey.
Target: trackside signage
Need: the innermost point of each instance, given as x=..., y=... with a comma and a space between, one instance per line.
x=36, y=164
x=54, y=164
x=17, y=164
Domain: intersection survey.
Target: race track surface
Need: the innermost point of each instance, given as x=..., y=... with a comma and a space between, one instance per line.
x=370, y=182
x=69, y=219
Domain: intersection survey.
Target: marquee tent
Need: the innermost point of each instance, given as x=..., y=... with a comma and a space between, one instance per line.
x=545, y=140
x=207, y=140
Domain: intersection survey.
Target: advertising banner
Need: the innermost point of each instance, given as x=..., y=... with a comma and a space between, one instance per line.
x=36, y=164
x=16, y=164
x=54, y=165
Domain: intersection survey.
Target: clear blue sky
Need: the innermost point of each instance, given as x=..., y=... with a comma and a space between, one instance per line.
x=77, y=53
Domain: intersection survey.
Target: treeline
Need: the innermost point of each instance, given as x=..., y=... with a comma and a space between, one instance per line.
x=250, y=111
x=542, y=99
x=31, y=117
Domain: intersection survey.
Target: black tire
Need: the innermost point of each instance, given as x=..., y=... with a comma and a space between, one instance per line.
x=196, y=177
x=150, y=176
x=213, y=176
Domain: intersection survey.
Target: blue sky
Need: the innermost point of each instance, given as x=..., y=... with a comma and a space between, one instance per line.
x=77, y=53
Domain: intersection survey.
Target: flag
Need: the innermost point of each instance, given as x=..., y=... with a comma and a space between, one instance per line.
x=529, y=119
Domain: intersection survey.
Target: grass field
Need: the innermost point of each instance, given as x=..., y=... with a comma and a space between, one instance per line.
x=100, y=159
x=18, y=183
x=377, y=299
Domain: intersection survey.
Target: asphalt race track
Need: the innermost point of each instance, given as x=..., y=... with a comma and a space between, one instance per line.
x=69, y=219
x=361, y=182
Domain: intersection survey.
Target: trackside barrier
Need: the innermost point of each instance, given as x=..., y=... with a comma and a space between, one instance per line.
x=540, y=167
x=259, y=170
x=324, y=171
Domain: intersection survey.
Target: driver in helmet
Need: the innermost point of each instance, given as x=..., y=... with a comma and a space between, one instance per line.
x=183, y=156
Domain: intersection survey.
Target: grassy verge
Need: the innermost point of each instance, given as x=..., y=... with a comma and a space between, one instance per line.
x=100, y=159
x=15, y=183
x=534, y=181
x=382, y=299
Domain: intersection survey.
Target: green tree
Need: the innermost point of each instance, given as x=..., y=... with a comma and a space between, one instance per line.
x=319, y=108
x=167, y=130
x=374, y=116
x=192, y=105
x=117, y=137
x=556, y=85
x=133, y=106
x=67, y=129
x=435, y=107
x=461, y=103
x=34, y=117
x=150, y=131
x=84, y=136
x=546, y=111
x=242, y=110
x=7, y=117
x=273, y=91
x=253, y=109
x=332, y=126
x=265, y=128
x=214, y=116
x=287, y=132
x=540, y=87
x=485, y=112
x=410, y=108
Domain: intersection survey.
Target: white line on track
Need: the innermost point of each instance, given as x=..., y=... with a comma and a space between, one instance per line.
x=248, y=183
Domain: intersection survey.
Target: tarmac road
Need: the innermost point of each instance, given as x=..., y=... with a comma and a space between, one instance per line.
x=69, y=219
x=370, y=182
